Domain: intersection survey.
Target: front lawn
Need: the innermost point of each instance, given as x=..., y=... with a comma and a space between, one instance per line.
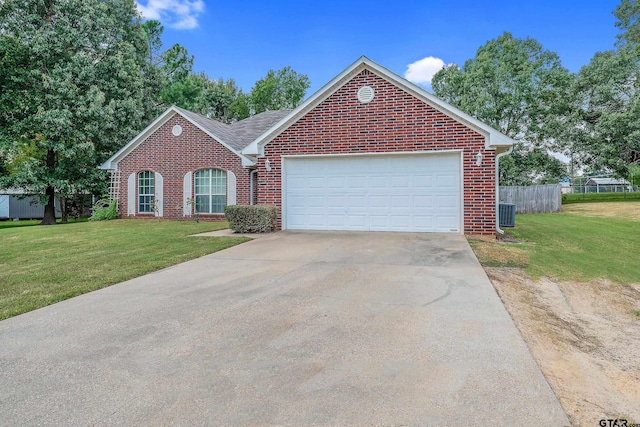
x=29, y=222
x=41, y=265
x=578, y=244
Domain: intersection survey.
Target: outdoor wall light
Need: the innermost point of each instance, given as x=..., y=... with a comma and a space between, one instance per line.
x=267, y=165
x=478, y=159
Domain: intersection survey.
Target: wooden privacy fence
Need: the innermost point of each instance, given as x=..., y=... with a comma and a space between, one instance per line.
x=533, y=198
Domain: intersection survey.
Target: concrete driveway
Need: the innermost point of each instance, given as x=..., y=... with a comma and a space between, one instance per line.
x=295, y=328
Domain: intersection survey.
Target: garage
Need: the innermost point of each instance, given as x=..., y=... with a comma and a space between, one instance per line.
x=370, y=151
x=417, y=192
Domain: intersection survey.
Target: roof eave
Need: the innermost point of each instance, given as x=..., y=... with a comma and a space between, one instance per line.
x=255, y=147
x=112, y=162
x=493, y=138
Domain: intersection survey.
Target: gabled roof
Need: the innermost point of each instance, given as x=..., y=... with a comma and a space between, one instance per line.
x=238, y=134
x=218, y=130
x=235, y=136
x=493, y=138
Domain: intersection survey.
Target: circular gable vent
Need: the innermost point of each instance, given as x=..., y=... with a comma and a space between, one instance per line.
x=177, y=130
x=365, y=94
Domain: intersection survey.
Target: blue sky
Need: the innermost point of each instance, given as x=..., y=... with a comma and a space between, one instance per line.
x=244, y=39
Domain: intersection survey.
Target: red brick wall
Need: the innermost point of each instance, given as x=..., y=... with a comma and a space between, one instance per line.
x=393, y=121
x=174, y=156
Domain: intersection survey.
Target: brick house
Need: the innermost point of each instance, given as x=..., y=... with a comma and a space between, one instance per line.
x=368, y=151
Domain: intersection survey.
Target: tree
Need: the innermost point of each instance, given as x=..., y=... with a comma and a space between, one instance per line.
x=3, y=166
x=607, y=133
x=529, y=167
x=73, y=81
x=153, y=31
x=283, y=89
x=222, y=99
x=155, y=79
x=519, y=88
x=628, y=21
x=225, y=101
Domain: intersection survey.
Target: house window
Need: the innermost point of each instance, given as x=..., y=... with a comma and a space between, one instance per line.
x=210, y=191
x=146, y=191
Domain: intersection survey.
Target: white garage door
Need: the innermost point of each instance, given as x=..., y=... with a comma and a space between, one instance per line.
x=418, y=192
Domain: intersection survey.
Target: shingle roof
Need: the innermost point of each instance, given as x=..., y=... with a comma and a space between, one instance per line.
x=235, y=136
x=239, y=134
x=249, y=129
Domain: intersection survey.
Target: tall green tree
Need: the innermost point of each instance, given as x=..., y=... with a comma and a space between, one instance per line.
x=607, y=131
x=154, y=76
x=283, y=89
x=223, y=100
x=606, y=122
x=521, y=89
x=73, y=83
x=627, y=14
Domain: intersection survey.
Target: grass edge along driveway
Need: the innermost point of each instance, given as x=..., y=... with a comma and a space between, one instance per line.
x=572, y=245
x=42, y=265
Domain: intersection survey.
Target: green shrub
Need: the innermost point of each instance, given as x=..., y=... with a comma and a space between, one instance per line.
x=251, y=218
x=105, y=209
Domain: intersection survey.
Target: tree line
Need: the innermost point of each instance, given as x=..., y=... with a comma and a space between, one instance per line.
x=80, y=78
x=520, y=88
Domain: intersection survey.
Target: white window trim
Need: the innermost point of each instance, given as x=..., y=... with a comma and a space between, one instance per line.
x=231, y=188
x=131, y=194
x=210, y=194
x=145, y=194
x=159, y=192
x=187, y=194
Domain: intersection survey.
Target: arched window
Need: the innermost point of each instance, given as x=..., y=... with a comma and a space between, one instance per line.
x=146, y=191
x=210, y=191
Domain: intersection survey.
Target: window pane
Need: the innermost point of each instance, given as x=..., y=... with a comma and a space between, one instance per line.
x=202, y=187
x=210, y=190
x=202, y=204
x=146, y=190
x=145, y=203
x=219, y=202
x=219, y=184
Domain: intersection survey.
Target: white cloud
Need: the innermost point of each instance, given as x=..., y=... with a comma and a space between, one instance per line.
x=179, y=14
x=423, y=70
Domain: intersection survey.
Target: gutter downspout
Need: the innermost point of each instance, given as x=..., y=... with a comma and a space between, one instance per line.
x=251, y=184
x=498, y=229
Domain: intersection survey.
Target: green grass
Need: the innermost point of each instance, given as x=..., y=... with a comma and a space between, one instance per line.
x=43, y=265
x=574, y=247
x=600, y=197
x=32, y=222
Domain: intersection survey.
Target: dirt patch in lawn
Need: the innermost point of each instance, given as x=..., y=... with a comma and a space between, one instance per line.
x=624, y=210
x=585, y=338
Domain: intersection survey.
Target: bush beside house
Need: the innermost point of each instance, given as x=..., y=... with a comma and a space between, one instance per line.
x=251, y=218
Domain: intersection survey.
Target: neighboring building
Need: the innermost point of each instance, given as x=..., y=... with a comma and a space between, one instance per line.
x=16, y=204
x=607, y=185
x=368, y=151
